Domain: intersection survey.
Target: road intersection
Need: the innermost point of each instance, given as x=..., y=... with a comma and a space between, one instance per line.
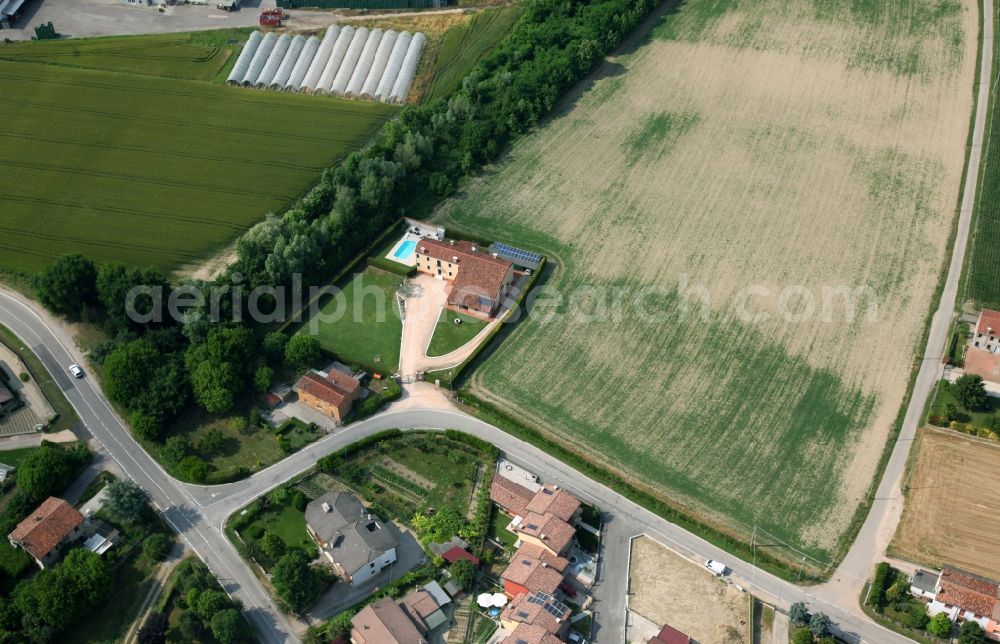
x=198, y=513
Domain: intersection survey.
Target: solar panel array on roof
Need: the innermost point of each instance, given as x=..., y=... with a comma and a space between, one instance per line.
x=554, y=607
x=516, y=255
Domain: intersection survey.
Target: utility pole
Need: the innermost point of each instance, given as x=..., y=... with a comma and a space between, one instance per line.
x=753, y=546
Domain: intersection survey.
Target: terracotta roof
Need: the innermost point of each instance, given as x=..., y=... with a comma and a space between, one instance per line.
x=969, y=592
x=535, y=568
x=553, y=531
x=419, y=605
x=509, y=495
x=455, y=553
x=384, y=622
x=989, y=322
x=670, y=635
x=537, y=609
x=549, y=498
x=335, y=387
x=529, y=634
x=479, y=273
x=46, y=527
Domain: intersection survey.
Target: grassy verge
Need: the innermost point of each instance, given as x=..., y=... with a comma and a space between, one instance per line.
x=65, y=416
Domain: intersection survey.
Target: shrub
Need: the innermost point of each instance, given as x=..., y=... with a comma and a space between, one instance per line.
x=194, y=468
x=877, y=594
x=156, y=547
x=939, y=626
x=24, y=376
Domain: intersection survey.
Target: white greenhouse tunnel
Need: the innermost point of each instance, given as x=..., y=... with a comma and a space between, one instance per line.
x=348, y=61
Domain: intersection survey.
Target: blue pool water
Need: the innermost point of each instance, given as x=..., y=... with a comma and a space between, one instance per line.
x=405, y=249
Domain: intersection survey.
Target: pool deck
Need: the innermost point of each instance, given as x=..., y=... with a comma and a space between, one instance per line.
x=409, y=260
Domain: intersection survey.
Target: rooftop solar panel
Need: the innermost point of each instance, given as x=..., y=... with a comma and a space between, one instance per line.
x=516, y=254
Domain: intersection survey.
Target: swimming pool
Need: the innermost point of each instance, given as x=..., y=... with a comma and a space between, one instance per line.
x=405, y=249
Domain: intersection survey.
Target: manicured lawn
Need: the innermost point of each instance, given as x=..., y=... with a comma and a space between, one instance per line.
x=53, y=394
x=283, y=520
x=498, y=529
x=449, y=336
x=944, y=396
x=361, y=324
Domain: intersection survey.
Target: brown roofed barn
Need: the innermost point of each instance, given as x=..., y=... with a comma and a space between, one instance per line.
x=331, y=393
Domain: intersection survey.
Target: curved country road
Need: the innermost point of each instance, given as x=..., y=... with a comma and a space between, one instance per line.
x=198, y=513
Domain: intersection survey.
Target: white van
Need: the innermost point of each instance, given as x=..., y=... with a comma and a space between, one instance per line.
x=716, y=567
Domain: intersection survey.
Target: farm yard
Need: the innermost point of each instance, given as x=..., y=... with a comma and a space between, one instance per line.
x=952, y=514
x=784, y=148
x=146, y=169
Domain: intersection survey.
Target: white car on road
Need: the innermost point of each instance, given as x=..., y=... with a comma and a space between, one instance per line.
x=76, y=371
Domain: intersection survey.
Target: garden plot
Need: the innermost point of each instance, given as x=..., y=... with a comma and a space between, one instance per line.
x=761, y=157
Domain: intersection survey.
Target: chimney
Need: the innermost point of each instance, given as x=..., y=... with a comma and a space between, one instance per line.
x=451, y=241
x=496, y=255
x=473, y=248
x=543, y=536
x=545, y=565
x=326, y=506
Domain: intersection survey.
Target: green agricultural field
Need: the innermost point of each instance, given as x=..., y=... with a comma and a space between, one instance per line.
x=150, y=170
x=464, y=45
x=194, y=56
x=703, y=202
x=361, y=324
x=449, y=336
x=982, y=264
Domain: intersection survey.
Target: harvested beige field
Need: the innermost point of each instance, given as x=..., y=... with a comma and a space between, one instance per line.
x=749, y=160
x=668, y=589
x=952, y=511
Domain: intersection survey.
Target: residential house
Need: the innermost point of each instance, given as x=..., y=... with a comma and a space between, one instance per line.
x=52, y=525
x=544, y=517
x=533, y=569
x=530, y=634
x=923, y=584
x=550, y=499
x=479, y=281
x=509, y=496
x=537, y=609
x=331, y=392
x=384, y=622
x=987, y=333
x=545, y=530
x=453, y=550
x=964, y=596
x=406, y=622
x=669, y=635
x=357, y=543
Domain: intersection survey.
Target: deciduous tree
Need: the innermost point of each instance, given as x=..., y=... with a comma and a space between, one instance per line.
x=970, y=391
x=126, y=501
x=68, y=285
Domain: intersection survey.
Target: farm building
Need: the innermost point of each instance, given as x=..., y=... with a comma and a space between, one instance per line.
x=330, y=392
x=358, y=543
x=987, y=335
x=966, y=597
x=479, y=281
x=348, y=61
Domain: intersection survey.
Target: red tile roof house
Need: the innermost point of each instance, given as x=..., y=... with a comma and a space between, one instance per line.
x=543, y=518
x=509, y=496
x=528, y=634
x=384, y=622
x=987, y=334
x=533, y=569
x=537, y=609
x=46, y=530
x=964, y=596
x=331, y=392
x=669, y=635
x=479, y=281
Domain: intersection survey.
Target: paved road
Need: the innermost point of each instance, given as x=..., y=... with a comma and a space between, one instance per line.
x=877, y=531
x=56, y=352
x=198, y=512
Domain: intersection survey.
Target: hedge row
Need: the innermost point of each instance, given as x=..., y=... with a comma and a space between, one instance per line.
x=883, y=576
x=390, y=266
